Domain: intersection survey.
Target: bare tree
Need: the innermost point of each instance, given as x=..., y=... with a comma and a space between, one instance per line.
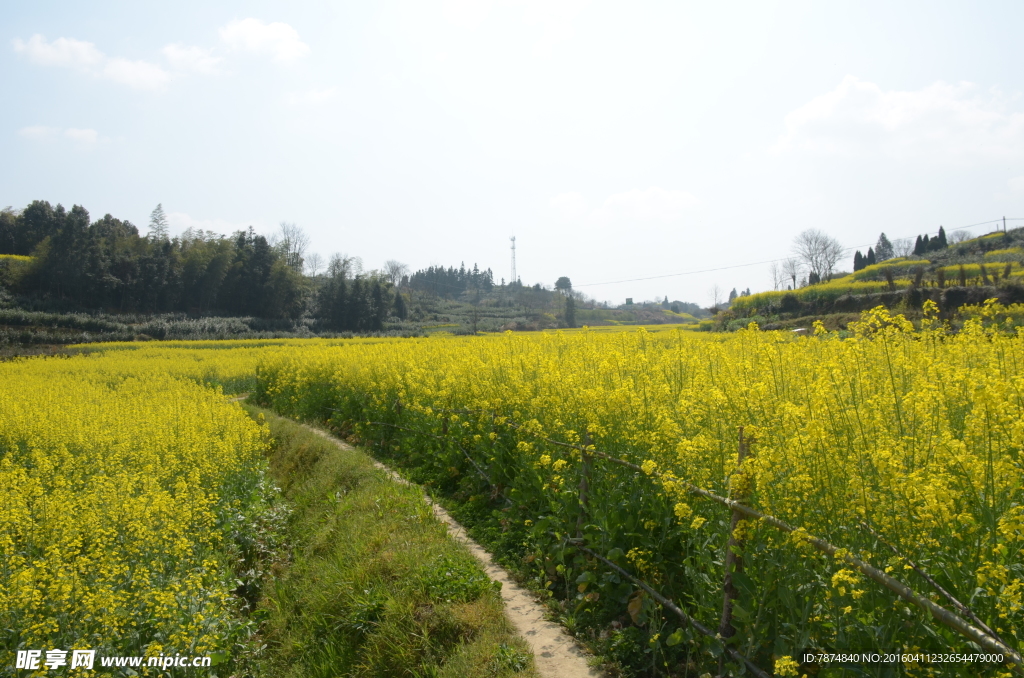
x=960, y=236
x=314, y=264
x=903, y=247
x=818, y=251
x=791, y=269
x=778, y=275
x=715, y=295
x=394, y=271
x=292, y=242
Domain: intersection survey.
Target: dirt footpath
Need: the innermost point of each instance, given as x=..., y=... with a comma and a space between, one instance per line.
x=556, y=654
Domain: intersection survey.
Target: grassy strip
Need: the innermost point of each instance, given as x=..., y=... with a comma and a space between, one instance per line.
x=374, y=586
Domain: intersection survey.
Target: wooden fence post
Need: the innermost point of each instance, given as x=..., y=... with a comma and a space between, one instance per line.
x=738, y=489
x=586, y=459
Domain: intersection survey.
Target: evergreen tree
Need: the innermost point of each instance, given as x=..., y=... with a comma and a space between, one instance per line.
x=926, y=244
x=941, y=239
x=158, y=226
x=336, y=303
x=870, y=259
x=401, y=311
x=858, y=261
x=7, y=231
x=358, y=306
x=883, y=248
x=378, y=309
x=37, y=222
x=918, y=246
x=570, y=311
x=732, y=295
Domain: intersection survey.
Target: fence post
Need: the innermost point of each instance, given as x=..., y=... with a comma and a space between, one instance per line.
x=584, y=498
x=738, y=489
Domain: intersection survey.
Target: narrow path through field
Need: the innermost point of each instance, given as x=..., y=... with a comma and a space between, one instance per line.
x=555, y=653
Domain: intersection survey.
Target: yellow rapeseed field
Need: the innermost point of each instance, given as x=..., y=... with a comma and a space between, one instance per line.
x=125, y=471
x=121, y=479
x=901, y=447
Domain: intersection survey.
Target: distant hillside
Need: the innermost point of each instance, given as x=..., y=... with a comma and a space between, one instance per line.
x=990, y=266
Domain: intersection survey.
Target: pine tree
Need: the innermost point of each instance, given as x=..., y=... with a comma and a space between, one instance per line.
x=858, y=261
x=158, y=227
x=570, y=311
x=883, y=248
x=378, y=310
x=870, y=259
x=401, y=312
x=919, y=246
x=941, y=239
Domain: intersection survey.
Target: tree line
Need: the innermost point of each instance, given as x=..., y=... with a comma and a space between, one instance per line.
x=817, y=255
x=451, y=283
x=81, y=264
x=884, y=249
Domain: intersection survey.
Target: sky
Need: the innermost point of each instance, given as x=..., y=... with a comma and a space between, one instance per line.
x=677, y=146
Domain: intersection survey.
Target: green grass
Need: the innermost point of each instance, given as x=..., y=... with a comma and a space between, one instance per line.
x=374, y=586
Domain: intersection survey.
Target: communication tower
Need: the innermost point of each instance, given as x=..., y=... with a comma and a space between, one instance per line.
x=513, y=239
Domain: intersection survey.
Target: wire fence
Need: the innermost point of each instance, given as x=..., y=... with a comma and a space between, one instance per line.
x=964, y=621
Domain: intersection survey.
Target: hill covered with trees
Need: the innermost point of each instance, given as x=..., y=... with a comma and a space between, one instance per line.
x=67, y=278
x=951, y=272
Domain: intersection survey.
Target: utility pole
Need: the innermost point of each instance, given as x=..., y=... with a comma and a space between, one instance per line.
x=513, y=239
x=1004, y=224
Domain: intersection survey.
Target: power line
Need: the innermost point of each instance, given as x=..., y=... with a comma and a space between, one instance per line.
x=770, y=261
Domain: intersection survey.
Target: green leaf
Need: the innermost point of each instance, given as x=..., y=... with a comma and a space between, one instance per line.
x=675, y=638
x=744, y=583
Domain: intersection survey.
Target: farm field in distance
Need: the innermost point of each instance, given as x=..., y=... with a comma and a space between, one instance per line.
x=587, y=461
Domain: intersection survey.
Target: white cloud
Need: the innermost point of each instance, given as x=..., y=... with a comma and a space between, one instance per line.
x=652, y=204
x=84, y=57
x=83, y=138
x=138, y=74
x=938, y=121
x=277, y=39
x=66, y=52
x=39, y=132
x=191, y=58
x=312, y=97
